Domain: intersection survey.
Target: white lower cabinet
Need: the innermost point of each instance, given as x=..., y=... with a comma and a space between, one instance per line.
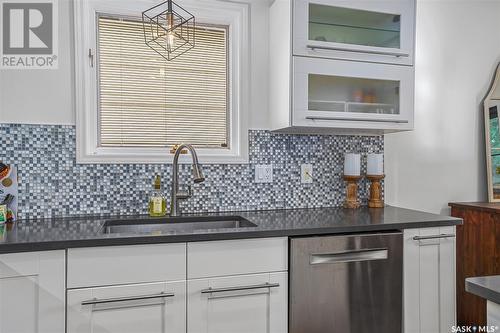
x=146, y=308
x=116, y=289
x=255, y=303
x=32, y=289
x=429, y=280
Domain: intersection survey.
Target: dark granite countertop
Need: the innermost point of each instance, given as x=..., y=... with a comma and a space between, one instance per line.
x=62, y=233
x=487, y=287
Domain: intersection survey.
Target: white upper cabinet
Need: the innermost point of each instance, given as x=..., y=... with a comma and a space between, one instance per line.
x=341, y=67
x=345, y=94
x=375, y=31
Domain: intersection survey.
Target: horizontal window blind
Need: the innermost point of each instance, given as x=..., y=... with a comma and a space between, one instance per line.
x=147, y=101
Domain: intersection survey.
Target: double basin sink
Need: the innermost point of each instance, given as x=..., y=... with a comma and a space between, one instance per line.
x=168, y=225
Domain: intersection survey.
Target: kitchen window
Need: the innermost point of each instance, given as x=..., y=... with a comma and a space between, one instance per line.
x=146, y=101
x=133, y=105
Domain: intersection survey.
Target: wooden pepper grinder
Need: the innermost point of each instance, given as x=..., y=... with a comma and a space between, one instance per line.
x=375, y=174
x=352, y=174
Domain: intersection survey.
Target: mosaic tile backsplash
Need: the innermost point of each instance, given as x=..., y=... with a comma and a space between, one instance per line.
x=53, y=184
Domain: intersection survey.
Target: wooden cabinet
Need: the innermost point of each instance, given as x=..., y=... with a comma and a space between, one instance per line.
x=478, y=254
x=429, y=280
x=147, y=308
x=238, y=304
x=32, y=292
x=373, y=31
x=341, y=66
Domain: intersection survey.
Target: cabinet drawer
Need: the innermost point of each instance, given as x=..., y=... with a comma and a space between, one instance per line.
x=218, y=258
x=149, y=307
x=88, y=267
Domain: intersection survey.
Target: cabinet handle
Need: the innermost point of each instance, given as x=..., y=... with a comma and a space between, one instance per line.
x=124, y=299
x=91, y=58
x=402, y=121
x=418, y=238
x=351, y=49
x=351, y=256
x=239, y=288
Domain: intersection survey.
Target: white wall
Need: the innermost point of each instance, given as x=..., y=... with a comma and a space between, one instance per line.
x=42, y=96
x=47, y=96
x=458, y=47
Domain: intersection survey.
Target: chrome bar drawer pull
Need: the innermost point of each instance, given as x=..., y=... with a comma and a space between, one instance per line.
x=350, y=256
x=96, y=301
x=239, y=288
x=418, y=238
x=349, y=49
x=378, y=120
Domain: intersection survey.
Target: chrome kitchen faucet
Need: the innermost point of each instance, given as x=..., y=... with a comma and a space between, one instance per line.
x=197, y=175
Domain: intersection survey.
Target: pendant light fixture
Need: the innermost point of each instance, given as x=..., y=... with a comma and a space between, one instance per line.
x=169, y=29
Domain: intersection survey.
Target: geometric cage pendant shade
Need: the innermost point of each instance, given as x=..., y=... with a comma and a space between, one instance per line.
x=169, y=29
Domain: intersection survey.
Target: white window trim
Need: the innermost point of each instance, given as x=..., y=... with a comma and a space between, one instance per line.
x=234, y=15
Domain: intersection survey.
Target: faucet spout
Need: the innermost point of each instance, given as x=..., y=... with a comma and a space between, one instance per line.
x=198, y=177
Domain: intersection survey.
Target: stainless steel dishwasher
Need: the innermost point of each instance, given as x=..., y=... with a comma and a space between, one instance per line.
x=349, y=283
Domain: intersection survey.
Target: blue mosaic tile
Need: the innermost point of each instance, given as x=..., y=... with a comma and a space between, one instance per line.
x=53, y=184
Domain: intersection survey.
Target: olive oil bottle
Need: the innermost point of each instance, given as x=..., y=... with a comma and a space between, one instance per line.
x=157, y=202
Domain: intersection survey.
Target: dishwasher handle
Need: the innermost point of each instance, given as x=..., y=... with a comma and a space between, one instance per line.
x=349, y=256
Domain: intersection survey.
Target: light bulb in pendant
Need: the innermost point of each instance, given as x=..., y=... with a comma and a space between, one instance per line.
x=170, y=37
x=170, y=41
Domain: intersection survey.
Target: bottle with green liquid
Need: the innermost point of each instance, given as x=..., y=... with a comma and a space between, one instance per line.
x=157, y=202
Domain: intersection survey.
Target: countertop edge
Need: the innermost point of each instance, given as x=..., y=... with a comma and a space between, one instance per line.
x=181, y=238
x=473, y=286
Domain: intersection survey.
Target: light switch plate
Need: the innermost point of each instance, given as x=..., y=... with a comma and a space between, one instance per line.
x=306, y=173
x=264, y=173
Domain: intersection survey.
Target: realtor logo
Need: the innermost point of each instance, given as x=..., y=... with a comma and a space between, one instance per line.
x=29, y=34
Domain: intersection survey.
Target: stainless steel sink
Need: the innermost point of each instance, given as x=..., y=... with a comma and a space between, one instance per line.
x=169, y=225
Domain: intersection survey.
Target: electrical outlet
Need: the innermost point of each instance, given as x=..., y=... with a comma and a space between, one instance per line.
x=264, y=173
x=306, y=173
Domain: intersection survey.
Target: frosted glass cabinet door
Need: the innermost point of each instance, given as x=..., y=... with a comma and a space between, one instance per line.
x=128, y=309
x=379, y=31
x=337, y=93
x=257, y=310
